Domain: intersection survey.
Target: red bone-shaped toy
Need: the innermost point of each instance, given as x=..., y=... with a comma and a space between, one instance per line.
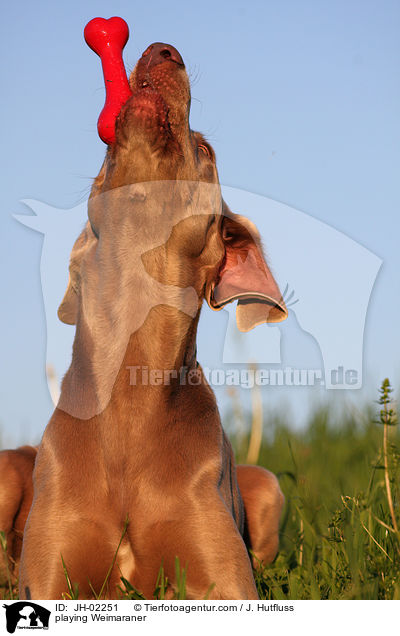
x=107, y=38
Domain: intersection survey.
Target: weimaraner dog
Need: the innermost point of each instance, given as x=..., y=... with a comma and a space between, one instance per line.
x=134, y=469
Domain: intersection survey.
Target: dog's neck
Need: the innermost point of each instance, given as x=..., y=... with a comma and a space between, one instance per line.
x=158, y=355
x=165, y=342
x=140, y=293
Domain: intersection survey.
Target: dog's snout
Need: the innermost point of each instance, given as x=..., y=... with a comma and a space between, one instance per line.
x=159, y=52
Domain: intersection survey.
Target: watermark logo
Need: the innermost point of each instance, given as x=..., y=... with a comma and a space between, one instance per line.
x=26, y=615
x=246, y=378
x=326, y=279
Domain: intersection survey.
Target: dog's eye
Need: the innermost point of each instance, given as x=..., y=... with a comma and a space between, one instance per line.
x=206, y=150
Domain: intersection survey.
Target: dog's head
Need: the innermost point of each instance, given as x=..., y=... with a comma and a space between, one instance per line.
x=157, y=204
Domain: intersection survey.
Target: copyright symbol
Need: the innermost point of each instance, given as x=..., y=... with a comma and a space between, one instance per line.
x=137, y=607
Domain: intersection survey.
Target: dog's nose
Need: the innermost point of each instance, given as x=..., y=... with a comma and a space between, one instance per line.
x=159, y=52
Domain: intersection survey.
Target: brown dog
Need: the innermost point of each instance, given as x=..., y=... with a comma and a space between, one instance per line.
x=137, y=434
x=16, y=491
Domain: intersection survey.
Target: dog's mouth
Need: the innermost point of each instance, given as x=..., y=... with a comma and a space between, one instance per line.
x=160, y=93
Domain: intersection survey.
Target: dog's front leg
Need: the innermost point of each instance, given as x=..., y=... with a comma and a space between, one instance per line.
x=204, y=537
x=263, y=502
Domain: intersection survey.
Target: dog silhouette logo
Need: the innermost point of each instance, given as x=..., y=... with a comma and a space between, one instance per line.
x=26, y=615
x=326, y=277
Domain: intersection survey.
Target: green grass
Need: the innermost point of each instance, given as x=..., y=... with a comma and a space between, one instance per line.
x=339, y=535
x=339, y=532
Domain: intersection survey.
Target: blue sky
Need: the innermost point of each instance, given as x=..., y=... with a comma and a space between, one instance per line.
x=299, y=99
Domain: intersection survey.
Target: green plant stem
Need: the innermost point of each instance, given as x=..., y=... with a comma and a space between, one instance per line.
x=253, y=452
x=386, y=464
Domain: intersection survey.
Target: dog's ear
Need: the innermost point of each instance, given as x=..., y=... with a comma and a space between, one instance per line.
x=245, y=276
x=68, y=309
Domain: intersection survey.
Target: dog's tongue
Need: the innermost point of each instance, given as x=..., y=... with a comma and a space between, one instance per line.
x=107, y=38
